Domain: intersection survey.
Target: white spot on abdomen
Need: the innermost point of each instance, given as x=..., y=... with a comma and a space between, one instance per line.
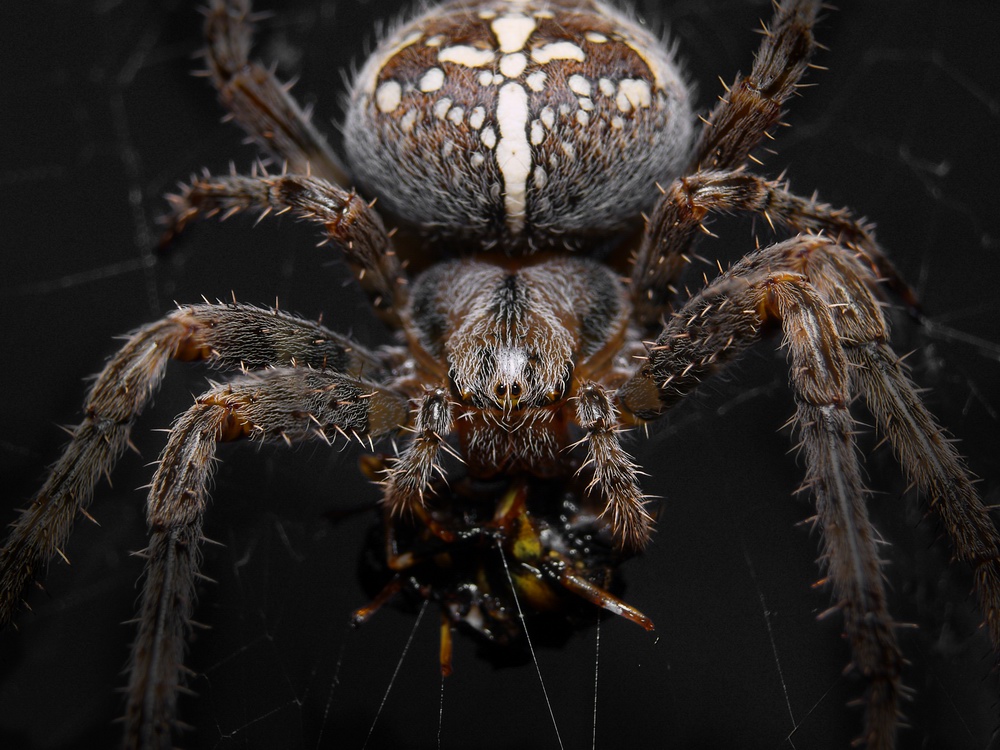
x=548, y=117
x=470, y=57
x=537, y=132
x=441, y=107
x=388, y=96
x=579, y=85
x=432, y=80
x=558, y=51
x=514, y=152
x=536, y=80
x=633, y=93
x=513, y=65
x=488, y=137
x=512, y=31
x=541, y=178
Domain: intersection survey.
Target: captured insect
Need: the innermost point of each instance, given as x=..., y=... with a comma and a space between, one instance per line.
x=531, y=182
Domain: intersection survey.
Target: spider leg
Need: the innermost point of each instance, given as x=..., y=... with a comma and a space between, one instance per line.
x=347, y=220
x=676, y=223
x=919, y=443
x=753, y=103
x=286, y=404
x=229, y=337
x=935, y=467
x=410, y=476
x=921, y=446
x=260, y=103
x=615, y=475
x=814, y=291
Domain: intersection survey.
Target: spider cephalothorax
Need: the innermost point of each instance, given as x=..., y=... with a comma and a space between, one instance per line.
x=513, y=341
x=543, y=158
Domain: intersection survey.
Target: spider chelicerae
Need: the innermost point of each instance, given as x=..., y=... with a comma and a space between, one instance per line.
x=545, y=252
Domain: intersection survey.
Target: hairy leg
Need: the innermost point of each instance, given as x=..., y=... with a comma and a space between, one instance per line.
x=288, y=404
x=924, y=450
x=615, y=479
x=753, y=104
x=347, y=220
x=812, y=289
x=260, y=103
x=845, y=283
x=676, y=223
x=411, y=474
x=231, y=337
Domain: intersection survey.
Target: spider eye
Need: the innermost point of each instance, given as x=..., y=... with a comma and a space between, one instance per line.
x=508, y=393
x=557, y=393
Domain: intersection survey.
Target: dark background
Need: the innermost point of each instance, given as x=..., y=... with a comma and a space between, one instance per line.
x=101, y=118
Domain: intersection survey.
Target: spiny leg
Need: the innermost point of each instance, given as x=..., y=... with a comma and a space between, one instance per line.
x=237, y=336
x=937, y=470
x=676, y=223
x=348, y=221
x=921, y=446
x=227, y=337
x=410, y=476
x=284, y=404
x=720, y=323
x=260, y=103
x=615, y=478
x=753, y=104
x=833, y=476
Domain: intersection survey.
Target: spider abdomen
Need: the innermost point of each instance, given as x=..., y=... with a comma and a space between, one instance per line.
x=523, y=124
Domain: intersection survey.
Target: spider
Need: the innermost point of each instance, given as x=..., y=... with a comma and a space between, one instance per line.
x=520, y=253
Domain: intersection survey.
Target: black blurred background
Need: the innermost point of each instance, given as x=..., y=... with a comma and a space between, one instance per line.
x=102, y=118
